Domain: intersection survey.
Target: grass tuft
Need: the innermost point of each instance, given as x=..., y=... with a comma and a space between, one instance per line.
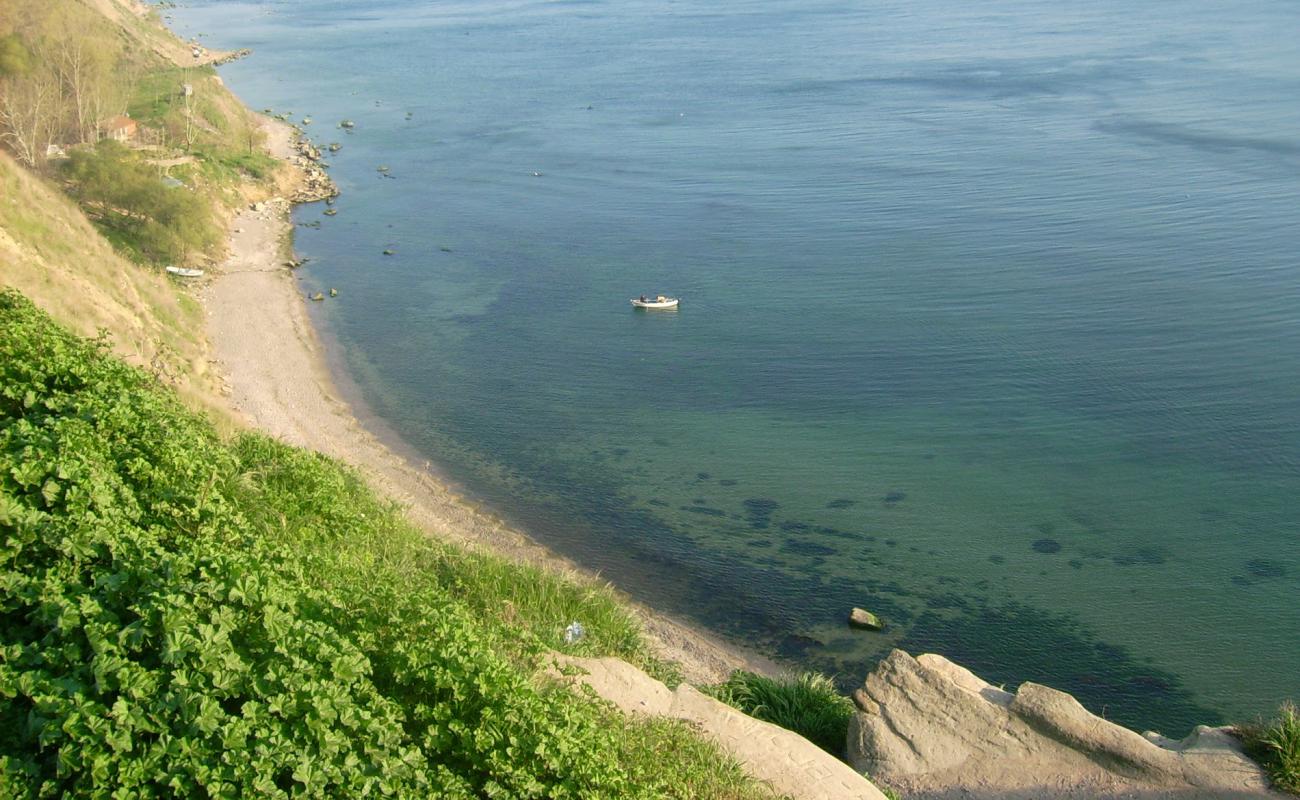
x=807, y=704
x=1276, y=746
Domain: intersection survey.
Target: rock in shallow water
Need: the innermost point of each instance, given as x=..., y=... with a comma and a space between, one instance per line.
x=861, y=618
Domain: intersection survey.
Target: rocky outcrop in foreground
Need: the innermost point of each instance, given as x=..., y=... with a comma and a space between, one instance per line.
x=793, y=765
x=935, y=730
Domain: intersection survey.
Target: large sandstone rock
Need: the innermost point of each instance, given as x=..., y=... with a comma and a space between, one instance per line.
x=793, y=765
x=934, y=729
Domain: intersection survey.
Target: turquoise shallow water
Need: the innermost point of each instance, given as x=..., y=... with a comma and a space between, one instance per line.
x=989, y=323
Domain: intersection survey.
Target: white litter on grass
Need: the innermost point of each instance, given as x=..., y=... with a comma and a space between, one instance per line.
x=573, y=633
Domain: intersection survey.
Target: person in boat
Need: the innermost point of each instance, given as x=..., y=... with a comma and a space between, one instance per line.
x=642, y=298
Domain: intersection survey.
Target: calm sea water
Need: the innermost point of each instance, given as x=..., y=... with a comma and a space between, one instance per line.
x=991, y=316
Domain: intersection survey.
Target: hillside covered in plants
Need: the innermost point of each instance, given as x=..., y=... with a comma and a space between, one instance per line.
x=182, y=615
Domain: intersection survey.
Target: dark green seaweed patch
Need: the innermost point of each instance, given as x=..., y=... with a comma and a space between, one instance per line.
x=1047, y=546
x=1016, y=642
x=826, y=530
x=1143, y=556
x=796, y=645
x=841, y=502
x=1264, y=568
x=702, y=476
x=948, y=600
x=759, y=510
x=894, y=498
x=806, y=548
x=705, y=510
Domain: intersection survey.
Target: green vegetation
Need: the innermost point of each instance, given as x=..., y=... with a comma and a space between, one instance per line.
x=15, y=58
x=186, y=616
x=135, y=210
x=208, y=124
x=807, y=704
x=1276, y=746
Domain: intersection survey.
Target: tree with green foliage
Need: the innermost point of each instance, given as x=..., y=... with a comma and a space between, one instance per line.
x=15, y=58
x=127, y=199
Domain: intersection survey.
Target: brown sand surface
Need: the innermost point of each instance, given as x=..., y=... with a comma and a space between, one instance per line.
x=276, y=379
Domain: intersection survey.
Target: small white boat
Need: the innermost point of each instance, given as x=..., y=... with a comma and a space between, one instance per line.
x=658, y=301
x=181, y=272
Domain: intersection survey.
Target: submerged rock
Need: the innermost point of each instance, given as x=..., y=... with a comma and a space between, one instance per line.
x=929, y=727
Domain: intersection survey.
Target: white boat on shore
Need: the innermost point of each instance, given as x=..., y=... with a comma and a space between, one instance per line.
x=657, y=302
x=181, y=272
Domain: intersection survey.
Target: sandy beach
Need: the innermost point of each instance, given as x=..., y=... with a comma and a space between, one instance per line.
x=276, y=379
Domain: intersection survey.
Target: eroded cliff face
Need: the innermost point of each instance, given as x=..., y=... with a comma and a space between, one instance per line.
x=935, y=730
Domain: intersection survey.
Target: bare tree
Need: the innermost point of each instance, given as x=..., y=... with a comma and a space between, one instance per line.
x=29, y=115
x=84, y=62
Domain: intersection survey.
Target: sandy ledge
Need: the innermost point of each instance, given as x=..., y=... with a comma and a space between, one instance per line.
x=277, y=380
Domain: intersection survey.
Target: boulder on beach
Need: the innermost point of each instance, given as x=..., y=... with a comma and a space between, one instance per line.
x=933, y=729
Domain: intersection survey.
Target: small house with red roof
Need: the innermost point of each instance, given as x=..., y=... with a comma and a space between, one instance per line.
x=121, y=128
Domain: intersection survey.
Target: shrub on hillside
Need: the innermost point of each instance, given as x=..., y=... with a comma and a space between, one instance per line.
x=1276, y=746
x=807, y=704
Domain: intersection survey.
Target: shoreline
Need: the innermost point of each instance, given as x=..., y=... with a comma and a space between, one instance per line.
x=277, y=378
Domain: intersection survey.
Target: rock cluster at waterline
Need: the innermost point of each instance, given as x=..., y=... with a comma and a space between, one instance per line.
x=934, y=729
x=316, y=184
